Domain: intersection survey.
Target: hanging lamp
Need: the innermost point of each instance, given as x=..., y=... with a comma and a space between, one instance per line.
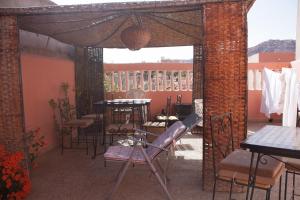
x=136, y=37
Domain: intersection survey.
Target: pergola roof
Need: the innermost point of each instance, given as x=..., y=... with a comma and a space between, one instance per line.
x=171, y=23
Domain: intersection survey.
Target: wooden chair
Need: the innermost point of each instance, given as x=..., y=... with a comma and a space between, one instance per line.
x=143, y=152
x=235, y=163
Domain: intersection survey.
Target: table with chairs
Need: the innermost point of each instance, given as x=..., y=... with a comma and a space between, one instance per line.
x=233, y=165
x=121, y=116
x=278, y=142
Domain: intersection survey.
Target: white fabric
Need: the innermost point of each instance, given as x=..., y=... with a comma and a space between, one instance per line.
x=296, y=65
x=272, y=92
x=291, y=97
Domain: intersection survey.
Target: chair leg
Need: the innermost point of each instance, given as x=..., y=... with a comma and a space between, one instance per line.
x=62, y=143
x=280, y=181
x=294, y=181
x=214, y=188
x=285, y=185
x=120, y=176
x=268, y=196
x=230, y=192
x=163, y=172
x=156, y=174
x=86, y=143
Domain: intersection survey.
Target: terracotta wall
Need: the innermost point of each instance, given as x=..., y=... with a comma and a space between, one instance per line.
x=276, y=57
x=42, y=77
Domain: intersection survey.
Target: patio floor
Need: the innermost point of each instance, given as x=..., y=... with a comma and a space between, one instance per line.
x=75, y=175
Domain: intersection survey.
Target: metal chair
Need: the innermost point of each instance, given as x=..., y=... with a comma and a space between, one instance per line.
x=293, y=168
x=232, y=165
x=179, y=99
x=121, y=121
x=143, y=152
x=166, y=115
x=135, y=94
x=68, y=123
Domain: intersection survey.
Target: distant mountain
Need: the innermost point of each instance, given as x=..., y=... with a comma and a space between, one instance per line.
x=273, y=46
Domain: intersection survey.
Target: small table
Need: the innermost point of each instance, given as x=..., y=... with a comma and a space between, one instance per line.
x=272, y=140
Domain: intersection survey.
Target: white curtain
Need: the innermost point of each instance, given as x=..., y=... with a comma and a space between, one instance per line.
x=273, y=85
x=291, y=97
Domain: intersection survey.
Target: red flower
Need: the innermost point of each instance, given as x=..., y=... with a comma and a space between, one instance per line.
x=8, y=183
x=13, y=176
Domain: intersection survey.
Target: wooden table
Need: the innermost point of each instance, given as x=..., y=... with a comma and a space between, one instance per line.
x=272, y=140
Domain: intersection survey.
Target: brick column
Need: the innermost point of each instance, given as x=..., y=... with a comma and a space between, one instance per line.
x=11, y=102
x=225, y=72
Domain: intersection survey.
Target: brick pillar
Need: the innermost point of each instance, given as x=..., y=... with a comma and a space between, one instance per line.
x=225, y=72
x=11, y=102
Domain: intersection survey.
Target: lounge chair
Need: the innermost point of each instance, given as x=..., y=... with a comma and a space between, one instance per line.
x=143, y=152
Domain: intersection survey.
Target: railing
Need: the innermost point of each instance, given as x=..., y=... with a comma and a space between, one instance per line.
x=149, y=80
x=255, y=78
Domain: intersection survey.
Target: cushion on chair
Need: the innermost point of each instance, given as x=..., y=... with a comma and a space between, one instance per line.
x=113, y=128
x=242, y=178
x=237, y=164
x=122, y=153
x=78, y=123
x=154, y=124
x=127, y=128
x=165, y=118
x=92, y=116
x=166, y=138
x=292, y=164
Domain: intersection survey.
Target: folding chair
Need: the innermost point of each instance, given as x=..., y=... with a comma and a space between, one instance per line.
x=143, y=152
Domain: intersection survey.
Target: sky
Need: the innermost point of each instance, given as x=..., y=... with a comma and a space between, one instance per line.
x=267, y=19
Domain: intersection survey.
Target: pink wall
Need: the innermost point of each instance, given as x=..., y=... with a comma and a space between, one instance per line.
x=42, y=77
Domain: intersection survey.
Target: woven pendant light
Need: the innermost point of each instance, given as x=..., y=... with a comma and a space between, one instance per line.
x=135, y=37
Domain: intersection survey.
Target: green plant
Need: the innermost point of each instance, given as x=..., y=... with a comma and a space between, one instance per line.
x=62, y=109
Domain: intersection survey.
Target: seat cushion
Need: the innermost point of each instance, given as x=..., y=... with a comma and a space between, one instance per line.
x=122, y=153
x=127, y=128
x=78, y=123
x=237, y=165
x=92, y=116
x=113, y=128
x=165, y=118
x=292, y=164
x=154, y=124
x=242, y=178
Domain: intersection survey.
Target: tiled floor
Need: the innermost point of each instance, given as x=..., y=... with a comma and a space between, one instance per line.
x=75, y=176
